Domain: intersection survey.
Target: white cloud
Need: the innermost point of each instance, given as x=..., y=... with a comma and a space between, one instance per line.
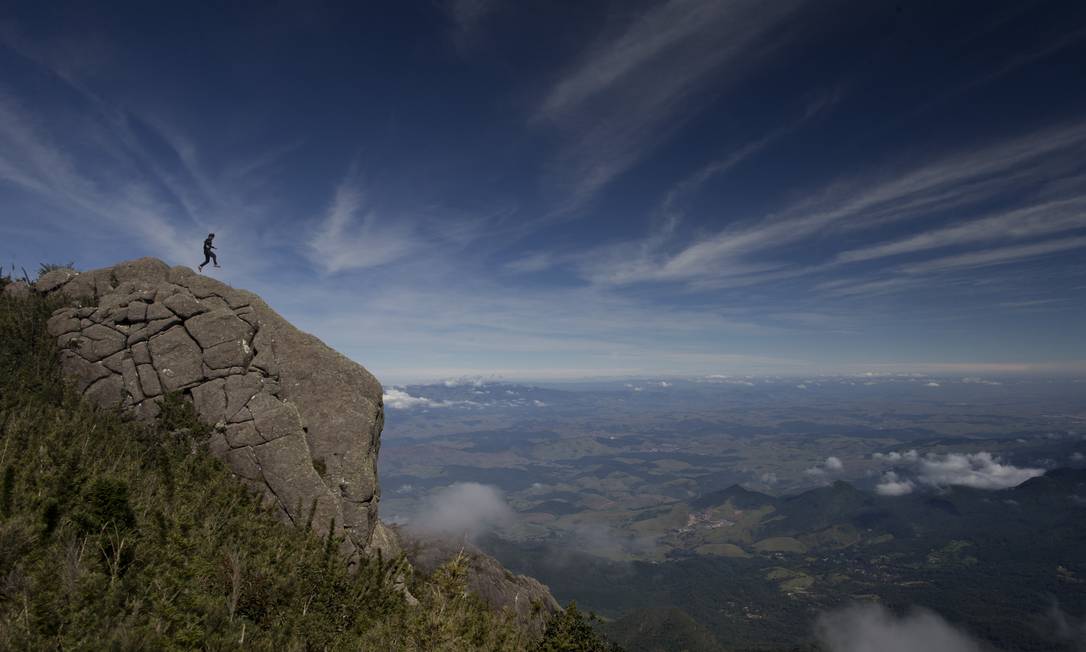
x=831, y=465
x=972, y=380
x=1077, y=457
x=848, y=286
x=536, y=262
x=932, y=384
x=113, y=176
x=727, y=380
x=895, y=456
x=1064, y=625
x=350, y=237
x=113, y=191
x=892, y=485
x=628, y=92
x=398, y=399
x=670, y=205
x=999, y=256
x=954, y=181
x=1030, y=222
x=980, y=470
x=474, y=381
x=463, y=509
x=872, y=628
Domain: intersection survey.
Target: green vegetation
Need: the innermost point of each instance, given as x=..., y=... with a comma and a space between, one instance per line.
x=780, y=544
x=662, y=629
x=571, y=631
x=117, y=534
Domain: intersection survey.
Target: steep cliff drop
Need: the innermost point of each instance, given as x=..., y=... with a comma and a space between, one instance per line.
x=297, y=421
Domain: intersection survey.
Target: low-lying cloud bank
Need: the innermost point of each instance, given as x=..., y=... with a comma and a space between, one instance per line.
x=978, y=470
x=466, y=509
x=872, y=628
x=893, y=485
x=831, y=465
x=398, y=399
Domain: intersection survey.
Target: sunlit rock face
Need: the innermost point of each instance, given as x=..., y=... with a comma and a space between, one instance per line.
x=297, y=421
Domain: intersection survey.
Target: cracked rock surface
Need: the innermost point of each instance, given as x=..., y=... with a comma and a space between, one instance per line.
x=294, y=419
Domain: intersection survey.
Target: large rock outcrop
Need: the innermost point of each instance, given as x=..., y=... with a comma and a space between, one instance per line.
x=296, y=420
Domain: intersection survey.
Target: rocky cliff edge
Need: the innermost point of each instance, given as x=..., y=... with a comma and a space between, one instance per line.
x=297, y=421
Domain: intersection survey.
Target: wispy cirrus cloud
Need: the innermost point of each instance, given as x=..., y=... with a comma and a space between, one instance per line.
x=632, y=88
x=742, y=153
x=743, y=253
x=998, y=256
x=351, y=236
x=121, y=172
x=33, y=161
x=469, y=325
x=1029, y=222
x=534, y=262
x=848, y=287
x=451, y=256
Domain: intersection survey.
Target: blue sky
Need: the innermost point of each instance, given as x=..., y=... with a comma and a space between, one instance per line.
x=539, y=190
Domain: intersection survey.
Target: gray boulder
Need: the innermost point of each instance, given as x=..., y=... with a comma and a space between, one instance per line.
x=297, y=421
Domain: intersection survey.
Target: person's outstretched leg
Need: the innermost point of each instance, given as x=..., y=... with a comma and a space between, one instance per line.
x=215, y=258
x=207, y=257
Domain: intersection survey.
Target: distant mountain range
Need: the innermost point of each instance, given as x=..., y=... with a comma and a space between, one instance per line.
x=752, y=571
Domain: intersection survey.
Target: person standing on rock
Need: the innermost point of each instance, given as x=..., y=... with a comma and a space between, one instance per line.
x=208, y=253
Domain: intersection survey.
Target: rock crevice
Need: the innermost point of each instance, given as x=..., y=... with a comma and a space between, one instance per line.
x=295, y=420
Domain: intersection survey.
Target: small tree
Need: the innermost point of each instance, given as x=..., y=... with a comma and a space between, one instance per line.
x=571, y=631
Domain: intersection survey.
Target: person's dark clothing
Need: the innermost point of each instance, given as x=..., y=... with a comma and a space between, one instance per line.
x=209, y=255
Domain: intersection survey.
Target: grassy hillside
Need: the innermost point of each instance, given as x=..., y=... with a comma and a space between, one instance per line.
x=125, y=535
